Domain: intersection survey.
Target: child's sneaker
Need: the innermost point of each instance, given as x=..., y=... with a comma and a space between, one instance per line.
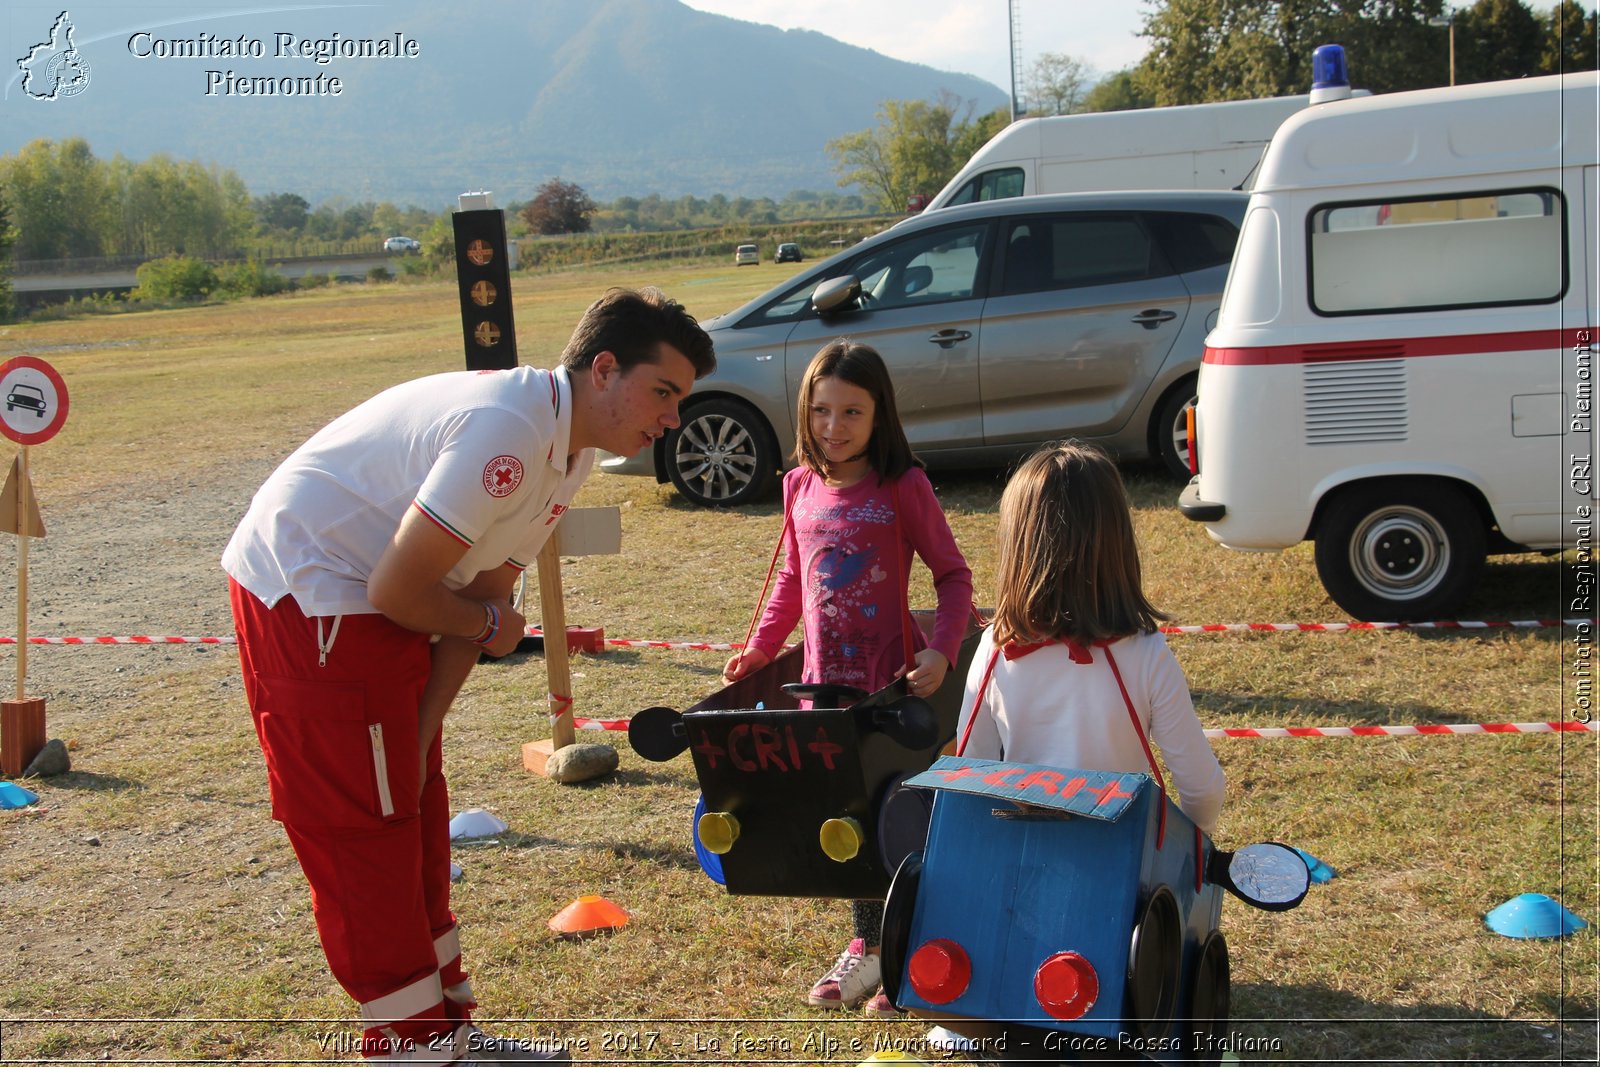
x=854, y=976
x=881, y=1006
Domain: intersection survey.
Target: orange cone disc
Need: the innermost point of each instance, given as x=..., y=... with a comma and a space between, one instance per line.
x=588, y=916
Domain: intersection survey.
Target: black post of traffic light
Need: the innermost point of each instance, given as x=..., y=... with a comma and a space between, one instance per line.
x=483, y=274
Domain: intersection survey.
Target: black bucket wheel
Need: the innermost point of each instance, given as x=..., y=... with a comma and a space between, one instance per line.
x=722, y=454
x=899, y=907
x=1155, y=954
x=1210, y=998
x=1399, y=551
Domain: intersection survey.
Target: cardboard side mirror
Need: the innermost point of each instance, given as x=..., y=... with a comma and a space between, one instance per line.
x=1269, y=875
x=658, y=734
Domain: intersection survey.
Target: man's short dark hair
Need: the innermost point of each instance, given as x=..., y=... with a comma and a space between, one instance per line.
x=631, y=324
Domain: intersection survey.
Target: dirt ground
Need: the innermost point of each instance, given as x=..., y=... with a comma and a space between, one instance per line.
x=90, y=900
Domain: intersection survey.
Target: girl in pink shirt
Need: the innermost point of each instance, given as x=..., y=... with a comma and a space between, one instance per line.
x=855, y=509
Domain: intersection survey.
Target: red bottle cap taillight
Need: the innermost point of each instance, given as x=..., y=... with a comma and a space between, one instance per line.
x=1066, y=985
x=939, y=971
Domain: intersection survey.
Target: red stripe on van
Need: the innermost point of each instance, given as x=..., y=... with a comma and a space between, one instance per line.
x=1401, y=347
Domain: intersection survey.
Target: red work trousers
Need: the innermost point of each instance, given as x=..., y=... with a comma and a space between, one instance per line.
x=335, y=706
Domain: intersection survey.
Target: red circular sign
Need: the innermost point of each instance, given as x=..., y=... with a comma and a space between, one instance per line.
x=33, y=400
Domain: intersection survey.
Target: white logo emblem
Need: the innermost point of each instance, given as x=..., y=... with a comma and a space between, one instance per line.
x=55, y=69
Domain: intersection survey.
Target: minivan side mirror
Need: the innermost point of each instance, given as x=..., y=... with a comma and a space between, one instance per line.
x=836, y=294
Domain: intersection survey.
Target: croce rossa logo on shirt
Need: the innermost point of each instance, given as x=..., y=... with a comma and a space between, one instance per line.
x=502, y=475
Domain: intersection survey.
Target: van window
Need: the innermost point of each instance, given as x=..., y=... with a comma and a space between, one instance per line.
x=990, y=185
x=1485, y=250
x=1072, y=251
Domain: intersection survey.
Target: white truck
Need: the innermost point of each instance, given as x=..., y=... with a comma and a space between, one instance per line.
x=1196, y=146
x=1402, y=369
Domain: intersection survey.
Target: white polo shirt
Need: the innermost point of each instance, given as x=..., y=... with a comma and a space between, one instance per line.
x=482, y=454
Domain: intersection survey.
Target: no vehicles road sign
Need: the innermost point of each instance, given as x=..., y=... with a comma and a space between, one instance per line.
x=33, y=400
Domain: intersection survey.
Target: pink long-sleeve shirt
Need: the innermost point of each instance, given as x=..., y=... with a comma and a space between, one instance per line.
x=845, y=572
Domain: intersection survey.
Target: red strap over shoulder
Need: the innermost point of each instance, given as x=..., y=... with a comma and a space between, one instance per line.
x=977, y=703
x=903, y=572
x=1138, y=728
x=788, y=522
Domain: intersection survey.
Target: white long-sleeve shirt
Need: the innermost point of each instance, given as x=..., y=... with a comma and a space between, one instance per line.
x=1046, y=709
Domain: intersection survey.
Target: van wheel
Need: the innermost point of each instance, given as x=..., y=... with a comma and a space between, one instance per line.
x=1170, y=431
x=1399, y=551
x=722, y=455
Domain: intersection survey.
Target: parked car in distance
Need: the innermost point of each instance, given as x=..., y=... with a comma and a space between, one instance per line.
x=788, y=252
x=746, y=254
x=402, y=244
x=1004, y=324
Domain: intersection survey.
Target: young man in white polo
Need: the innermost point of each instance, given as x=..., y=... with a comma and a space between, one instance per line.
x=371, y=570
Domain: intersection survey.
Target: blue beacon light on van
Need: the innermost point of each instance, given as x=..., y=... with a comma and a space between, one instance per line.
x=1330, y=79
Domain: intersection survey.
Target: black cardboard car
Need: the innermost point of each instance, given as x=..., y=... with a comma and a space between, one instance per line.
x=807, y=802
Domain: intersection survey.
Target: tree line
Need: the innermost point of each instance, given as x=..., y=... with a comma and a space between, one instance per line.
x=1210, y=50
x=65, y=203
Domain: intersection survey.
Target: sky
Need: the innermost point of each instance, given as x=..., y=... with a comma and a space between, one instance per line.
x=967, y=36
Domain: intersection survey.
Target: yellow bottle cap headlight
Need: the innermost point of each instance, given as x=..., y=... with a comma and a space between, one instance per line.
x=718, y=831
x=841, y=839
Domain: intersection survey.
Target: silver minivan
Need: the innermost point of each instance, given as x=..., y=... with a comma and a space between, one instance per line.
x=1004, y=324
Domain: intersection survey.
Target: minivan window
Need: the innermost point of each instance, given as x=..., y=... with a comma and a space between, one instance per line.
x=999, y=184
x=1070, y=251
x=926, y=269
x=1194, y=242
x=1490, y=249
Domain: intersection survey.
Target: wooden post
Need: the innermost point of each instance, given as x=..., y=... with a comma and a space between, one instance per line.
x=22, y=722
x=24, y=534
x=553, y=620
x=558, y=674
x=589, y=531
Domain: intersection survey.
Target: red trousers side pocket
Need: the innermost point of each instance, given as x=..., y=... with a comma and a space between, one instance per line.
x=330, y=760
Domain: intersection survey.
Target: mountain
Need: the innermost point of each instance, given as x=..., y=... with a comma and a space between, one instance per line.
x=623, y=97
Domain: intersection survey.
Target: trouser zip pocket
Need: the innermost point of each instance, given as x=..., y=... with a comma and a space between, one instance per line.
x=380, y=767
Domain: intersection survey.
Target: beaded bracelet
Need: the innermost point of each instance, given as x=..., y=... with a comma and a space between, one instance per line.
x=491, y=625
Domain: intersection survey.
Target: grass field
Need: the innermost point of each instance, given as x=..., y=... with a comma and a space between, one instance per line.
x=160, y=915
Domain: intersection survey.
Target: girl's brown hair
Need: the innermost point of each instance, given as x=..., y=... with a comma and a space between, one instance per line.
x=1068, y=562
x=888, y=451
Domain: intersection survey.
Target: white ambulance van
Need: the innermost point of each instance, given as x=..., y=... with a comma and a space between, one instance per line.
x=1402, y=369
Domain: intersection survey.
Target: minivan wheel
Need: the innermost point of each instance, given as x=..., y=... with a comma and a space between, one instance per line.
x=722, y=455
x=1399, y=551
x=1171, y=429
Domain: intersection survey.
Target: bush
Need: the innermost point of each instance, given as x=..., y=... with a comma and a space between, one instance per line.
x=379, y=273
x=251, y=278
x=173, y=278
x=315, y=281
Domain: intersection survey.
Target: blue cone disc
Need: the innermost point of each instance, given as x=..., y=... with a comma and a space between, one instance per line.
x=1533, y=915
x=1320, y=872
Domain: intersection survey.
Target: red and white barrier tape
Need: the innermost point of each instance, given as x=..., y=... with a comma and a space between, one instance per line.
x=1422, y=730
x=712, y=646
x=136, y=639
x=1343, y=627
